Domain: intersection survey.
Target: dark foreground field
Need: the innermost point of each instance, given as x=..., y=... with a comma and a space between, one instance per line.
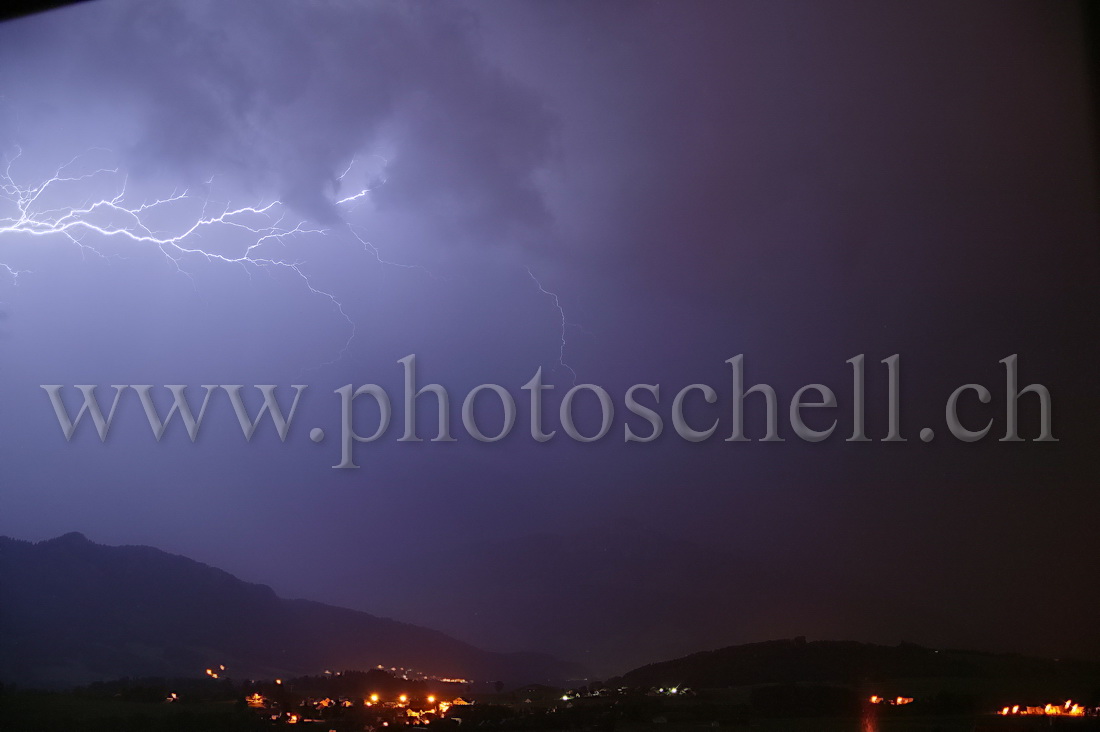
x=36, y=711
x=30, y=711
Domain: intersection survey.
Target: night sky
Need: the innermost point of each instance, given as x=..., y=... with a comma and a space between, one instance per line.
x=798, y=182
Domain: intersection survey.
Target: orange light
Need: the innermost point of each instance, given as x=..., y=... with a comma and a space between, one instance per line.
x=278, y=681
x=374, y=697
x=402, y=698
x=431, y=700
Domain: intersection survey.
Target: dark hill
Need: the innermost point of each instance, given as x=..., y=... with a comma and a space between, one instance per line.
x=854, y=664
x=73, y=612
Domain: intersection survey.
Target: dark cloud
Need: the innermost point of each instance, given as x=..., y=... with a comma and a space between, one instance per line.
x=285, y=97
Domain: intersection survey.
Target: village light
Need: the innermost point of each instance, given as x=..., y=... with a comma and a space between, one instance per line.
x=374, y=697
x=431, y=700
x=402, y=698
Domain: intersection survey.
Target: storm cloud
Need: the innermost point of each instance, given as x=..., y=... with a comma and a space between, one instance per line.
x=283, y=98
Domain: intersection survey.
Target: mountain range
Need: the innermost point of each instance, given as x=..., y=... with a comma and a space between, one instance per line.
x=73, y=612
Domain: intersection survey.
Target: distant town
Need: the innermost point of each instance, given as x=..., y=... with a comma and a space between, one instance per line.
x=385, y=698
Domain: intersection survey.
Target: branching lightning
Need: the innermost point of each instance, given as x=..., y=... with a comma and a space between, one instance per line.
x=264, y=224
x=24, y=211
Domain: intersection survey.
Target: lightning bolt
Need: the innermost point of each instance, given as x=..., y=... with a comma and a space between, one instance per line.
x=364, y=192
x=564, y=323
x=25, y=212
x=111, y=216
